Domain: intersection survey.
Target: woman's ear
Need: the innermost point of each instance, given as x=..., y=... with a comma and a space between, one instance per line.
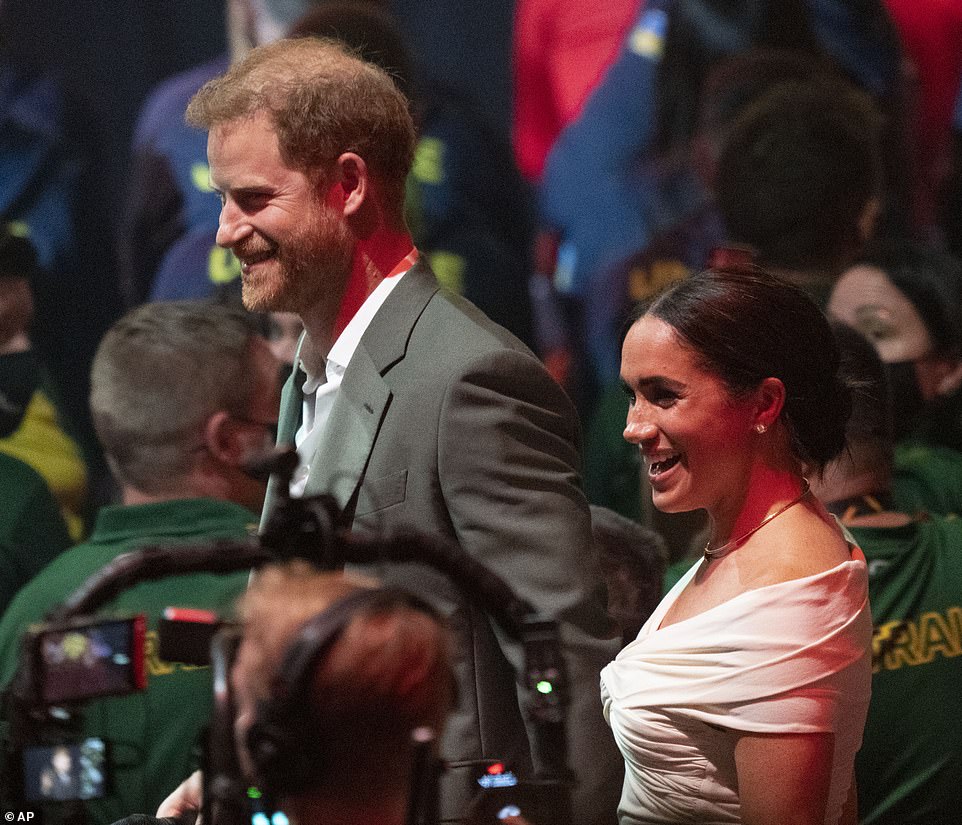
x=769, y=401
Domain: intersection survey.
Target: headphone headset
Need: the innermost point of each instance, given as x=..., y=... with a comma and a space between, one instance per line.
x=287, y=754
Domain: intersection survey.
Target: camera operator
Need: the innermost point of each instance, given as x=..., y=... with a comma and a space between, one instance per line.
x=182, y=395
x=340, y=749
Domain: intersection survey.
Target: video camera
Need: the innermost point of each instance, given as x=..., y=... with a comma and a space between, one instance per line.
x=75, y=657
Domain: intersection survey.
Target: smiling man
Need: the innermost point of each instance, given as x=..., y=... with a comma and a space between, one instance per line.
x=407, y=404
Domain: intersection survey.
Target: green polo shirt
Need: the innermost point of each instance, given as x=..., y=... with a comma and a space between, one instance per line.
x=151, y=735
x=927, y=478
x=32, y=531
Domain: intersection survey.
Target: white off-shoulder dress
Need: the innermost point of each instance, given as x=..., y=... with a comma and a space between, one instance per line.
x=792, y=657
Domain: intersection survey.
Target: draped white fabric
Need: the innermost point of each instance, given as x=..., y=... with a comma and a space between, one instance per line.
x=792, y=657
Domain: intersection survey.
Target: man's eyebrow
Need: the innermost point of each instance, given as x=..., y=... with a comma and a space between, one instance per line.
x=251, y=189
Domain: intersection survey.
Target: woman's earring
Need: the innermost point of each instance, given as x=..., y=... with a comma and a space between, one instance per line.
x=760, y=428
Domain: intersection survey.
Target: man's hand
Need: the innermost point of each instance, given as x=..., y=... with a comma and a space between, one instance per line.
x=185, y=800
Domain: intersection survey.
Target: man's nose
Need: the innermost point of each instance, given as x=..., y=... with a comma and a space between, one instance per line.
x=232, y=226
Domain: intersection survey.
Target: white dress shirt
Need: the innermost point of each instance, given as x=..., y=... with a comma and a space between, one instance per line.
x=320, y=392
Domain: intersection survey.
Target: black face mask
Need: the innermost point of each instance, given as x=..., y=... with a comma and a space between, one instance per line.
x=19, y=378
x=907, y=401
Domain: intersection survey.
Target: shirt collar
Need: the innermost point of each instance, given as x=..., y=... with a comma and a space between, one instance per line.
x=186, y=517
x=347, y=342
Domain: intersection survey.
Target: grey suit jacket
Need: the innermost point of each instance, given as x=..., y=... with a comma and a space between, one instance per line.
x=446, y=423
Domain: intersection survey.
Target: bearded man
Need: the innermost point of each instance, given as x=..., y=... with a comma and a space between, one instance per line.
x=406, y=403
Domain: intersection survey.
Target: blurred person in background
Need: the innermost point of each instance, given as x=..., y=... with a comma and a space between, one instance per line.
x=911, y=757
x=632, y=562
x=906, y=298
x=799, y=180
x=622, y=176
x=32, y=530
x=36, y=437
x=183, y=394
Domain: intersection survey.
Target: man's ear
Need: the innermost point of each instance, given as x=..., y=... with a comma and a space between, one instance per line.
x=769, y=401
x=222, y=438
x=353, y=182
x=950, y=378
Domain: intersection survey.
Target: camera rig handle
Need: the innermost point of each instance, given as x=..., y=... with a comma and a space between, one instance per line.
x=314, y=529
x=158, y=562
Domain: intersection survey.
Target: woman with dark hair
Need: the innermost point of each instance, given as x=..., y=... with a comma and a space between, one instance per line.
x=906, y=298
x=744, y=696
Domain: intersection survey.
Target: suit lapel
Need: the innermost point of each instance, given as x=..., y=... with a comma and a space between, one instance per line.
x=292, y=398
x=288, y=420
x=364, y=395
x=386, y=337
x=352, y=428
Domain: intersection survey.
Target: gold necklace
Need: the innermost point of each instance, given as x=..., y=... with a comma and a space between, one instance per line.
x=728, y=546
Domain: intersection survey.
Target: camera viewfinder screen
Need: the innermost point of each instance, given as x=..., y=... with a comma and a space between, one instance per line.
x=99, y=659
x=60, y=773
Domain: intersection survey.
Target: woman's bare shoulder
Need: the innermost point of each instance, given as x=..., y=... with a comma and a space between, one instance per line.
x=808, y=542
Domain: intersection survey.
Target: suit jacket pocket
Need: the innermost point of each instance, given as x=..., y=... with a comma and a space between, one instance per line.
x=378, y=493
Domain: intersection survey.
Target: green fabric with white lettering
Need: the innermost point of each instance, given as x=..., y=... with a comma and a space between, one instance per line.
x=910, y=764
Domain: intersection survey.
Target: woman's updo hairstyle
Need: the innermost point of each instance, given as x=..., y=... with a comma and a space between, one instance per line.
x=744, y=326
